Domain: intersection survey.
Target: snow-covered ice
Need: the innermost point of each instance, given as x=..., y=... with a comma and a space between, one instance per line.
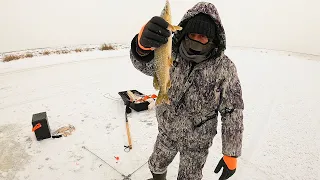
x=281, y=117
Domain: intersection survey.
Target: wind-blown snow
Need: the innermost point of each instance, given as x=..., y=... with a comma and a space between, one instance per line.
x=281, y=117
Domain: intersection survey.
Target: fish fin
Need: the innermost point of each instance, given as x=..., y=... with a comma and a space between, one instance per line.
x=177, y=28
x=174, y=28
x=155, y=82
x=170, y=61
x=168, y=84
x=162, y=98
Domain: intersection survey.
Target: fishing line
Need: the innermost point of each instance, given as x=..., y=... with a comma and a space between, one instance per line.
x=124, y=176
x=108, y=96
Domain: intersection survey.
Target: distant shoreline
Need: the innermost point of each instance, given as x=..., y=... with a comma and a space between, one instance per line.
x=28, y=53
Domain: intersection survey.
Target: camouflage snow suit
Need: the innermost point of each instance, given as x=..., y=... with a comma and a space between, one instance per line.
x=189, y=124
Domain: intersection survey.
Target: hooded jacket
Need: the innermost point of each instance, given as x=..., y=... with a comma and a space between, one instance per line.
x=198, y=93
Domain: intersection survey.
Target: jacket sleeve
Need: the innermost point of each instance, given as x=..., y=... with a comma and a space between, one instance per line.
x=231, y=109
x=141, y=60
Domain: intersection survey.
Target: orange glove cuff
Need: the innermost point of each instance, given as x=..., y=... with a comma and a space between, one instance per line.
x=231, y=162
x=139, y=36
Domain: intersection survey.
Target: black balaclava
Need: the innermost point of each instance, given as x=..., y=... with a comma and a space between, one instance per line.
x=193, y=50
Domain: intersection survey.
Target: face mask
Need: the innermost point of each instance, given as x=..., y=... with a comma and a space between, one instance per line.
x=194, y=47
x=195, y=51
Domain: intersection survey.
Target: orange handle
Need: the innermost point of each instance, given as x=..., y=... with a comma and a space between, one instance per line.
x=37, y=126
x=147, y=97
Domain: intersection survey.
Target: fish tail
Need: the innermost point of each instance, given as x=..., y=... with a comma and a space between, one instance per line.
x=162, y=98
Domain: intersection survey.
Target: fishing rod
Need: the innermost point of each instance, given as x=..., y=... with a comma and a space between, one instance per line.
x=128, y=110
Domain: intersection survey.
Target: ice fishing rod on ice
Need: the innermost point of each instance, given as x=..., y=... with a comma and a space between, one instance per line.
x=137, y=101
x=128, y=110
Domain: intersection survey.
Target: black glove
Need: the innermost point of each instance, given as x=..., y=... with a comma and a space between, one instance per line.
x=154, y=33
x=226, y=173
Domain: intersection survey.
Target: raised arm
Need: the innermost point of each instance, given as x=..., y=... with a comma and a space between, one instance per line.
x=151, y=36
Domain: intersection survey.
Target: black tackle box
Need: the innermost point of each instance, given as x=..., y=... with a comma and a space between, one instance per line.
x=41, y=126
x=136, y=106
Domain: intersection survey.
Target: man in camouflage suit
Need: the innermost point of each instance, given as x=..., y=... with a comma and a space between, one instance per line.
x=204, y=82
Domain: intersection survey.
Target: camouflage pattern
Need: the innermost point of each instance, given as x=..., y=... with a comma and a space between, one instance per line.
x=189, y=124
x=191, y=160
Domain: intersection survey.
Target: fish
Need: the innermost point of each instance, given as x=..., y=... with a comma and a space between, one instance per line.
x=163, y=60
